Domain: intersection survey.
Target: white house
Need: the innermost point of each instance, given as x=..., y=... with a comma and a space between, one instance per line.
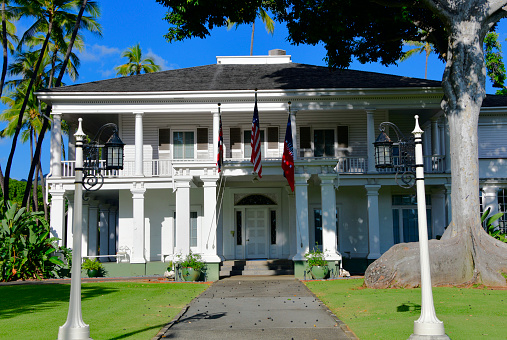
x=170, y=199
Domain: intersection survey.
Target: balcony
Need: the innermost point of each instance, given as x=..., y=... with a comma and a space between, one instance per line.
x=170, y=168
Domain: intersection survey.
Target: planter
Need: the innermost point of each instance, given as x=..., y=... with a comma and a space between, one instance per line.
x=92, y=272
x=190, y=274
x=319, y=272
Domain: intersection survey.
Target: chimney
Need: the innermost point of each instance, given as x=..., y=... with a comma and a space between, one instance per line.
x=277, y=51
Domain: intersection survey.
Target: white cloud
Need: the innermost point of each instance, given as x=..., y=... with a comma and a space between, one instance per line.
x=96, y=52
x=164, y=64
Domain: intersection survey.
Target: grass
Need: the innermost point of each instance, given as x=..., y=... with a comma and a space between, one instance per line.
x=114, y=310
x=467, y=313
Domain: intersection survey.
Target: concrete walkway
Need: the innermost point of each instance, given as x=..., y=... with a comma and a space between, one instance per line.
x=257, y=308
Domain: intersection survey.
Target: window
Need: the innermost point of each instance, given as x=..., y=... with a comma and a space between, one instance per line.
x=405, y=222
x=239, y=236
x=164, y=139
x=247, y=146
x=183, y=145
x=323, y=143
x=317, y=215
x=273, y=137
x=273, y=226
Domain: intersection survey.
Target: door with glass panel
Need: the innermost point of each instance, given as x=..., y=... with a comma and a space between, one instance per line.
x=256, y=233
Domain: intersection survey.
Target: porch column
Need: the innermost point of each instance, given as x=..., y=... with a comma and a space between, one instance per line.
x=216, y=128
x=448, y=204
x=71, y=144
x=438, y=212
x=182, y=243
x=209, y=229
x=84, y=243
x=112, y=232
x=370, y=136
x=56, y=145
x=139, y=144
x=490, y=200
x=93, y=228
x=435, y=136
x=294, y=134
x=447, y=149
x=104, y=231
x=57, y=216
x=328, y=197
x=70, y=218
x=137, y=252
x=302, y=229
x=373, y=221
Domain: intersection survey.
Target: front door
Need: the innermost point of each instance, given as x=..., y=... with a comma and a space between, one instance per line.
x=256, y=233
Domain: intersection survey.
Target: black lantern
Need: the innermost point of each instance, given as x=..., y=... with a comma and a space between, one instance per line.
x=113, y=152
x=383, y=151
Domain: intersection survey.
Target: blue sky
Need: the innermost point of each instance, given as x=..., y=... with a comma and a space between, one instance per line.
x=126, y=23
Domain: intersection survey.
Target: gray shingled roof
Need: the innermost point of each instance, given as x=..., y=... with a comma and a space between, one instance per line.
x=219, y=77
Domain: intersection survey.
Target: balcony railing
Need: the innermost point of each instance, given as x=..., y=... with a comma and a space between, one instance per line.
x=169, y=168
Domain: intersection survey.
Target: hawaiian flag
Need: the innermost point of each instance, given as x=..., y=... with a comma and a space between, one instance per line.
x=220, y=156
x=288, y=156
x=255, y=141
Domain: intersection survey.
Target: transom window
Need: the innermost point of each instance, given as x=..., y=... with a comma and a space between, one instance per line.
x=183, y=145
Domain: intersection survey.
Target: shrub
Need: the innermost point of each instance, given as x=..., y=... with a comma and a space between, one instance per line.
x=190, y=261
x=315, y=257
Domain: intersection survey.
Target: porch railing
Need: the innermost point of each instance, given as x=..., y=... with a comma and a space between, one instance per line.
x=169, y=168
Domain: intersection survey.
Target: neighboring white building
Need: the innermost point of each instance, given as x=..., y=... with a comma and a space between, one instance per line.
x=169, y=199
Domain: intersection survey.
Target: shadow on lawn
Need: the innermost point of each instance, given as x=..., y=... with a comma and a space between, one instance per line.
x=408, y=307
x=34, y=298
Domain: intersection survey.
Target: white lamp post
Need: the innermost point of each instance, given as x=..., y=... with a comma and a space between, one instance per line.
x=75, y=328
x=428, y=326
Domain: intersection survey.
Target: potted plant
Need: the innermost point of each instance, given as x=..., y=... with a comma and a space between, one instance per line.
x=93, y=267
x=190, y=266
x=317, y=264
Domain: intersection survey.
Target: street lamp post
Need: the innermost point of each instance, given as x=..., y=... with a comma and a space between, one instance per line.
x=88, y=177
x=428, y=326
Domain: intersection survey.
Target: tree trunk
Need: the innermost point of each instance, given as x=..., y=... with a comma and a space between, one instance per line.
x=2, y=181
x=251, y=40
x=43, y=189
x=466, y=254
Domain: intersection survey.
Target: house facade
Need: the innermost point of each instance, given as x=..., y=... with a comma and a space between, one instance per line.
x=170, y=198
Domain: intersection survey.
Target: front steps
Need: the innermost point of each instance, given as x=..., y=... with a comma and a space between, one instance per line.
x=256, y=267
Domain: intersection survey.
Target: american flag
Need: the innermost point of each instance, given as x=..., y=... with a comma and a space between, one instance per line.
x=288, y=156
x=220, y=156
x=255, y=141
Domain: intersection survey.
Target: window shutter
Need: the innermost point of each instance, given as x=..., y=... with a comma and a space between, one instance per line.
x=343, y=136
x=235, y=143
x=164, y=139
x=273, y=137
x=202, y=139
x=305, y=138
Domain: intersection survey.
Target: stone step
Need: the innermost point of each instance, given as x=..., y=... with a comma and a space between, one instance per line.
x=256, y=267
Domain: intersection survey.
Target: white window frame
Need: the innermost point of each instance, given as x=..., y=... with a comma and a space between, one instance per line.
x=182, y=129
x=312, y=139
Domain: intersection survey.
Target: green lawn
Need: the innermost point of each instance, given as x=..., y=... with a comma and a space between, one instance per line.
x=114, y=310
x=390, y=313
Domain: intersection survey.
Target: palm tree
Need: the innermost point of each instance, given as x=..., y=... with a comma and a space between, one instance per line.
x=136, y=64
x=49, y=15
x=420, y=47
x=266, y=19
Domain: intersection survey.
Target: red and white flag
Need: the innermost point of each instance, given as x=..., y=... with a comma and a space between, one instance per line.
x=220, y=156
x=255, y=141
x=288, y=156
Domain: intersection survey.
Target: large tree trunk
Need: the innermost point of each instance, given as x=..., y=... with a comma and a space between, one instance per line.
x=466, y=254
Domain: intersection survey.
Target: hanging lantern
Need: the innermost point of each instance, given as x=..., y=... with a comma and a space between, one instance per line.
x=383, y=151
x=113, y=153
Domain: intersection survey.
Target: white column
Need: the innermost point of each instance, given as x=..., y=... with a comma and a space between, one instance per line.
x=56, y=145
x=441, y=131
x=209, y=247
x=104, y=231
x=84, y=228
x=447, y=149
x=370, y=139
x=112, y=232
x=137, y=252
x=182, y=244
x=294, y=134
x=448, y=204
x=373, y=221
x=70, y=219
x=216, y=128
x=139, y=144
x=302, y=225
x=71, y=145
x=57, y=216
x=490, y=200
x=328, y=196
x=93, y=228
x=435, y=136
x=438, y=215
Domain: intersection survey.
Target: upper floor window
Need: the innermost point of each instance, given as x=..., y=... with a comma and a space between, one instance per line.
x=183, y=145
x=247, y=146
x=317, y=142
